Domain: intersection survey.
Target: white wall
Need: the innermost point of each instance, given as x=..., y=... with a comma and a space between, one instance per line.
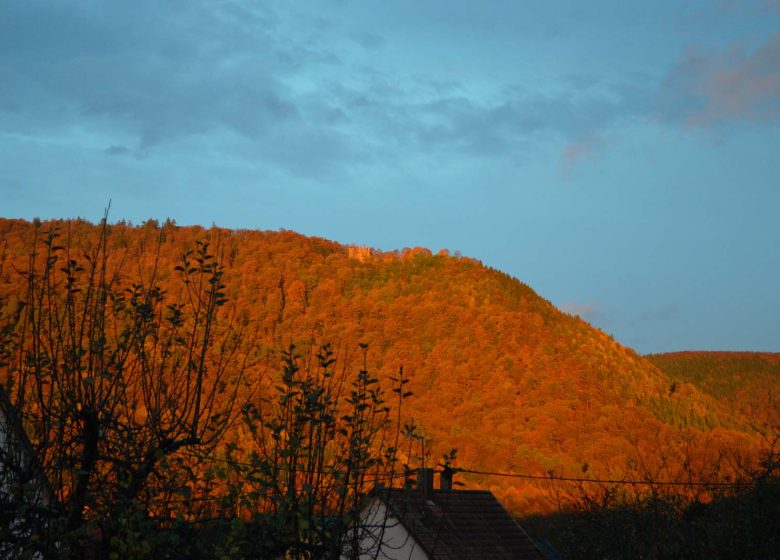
x=3, y=450
x=11, y=452
x=384, y=537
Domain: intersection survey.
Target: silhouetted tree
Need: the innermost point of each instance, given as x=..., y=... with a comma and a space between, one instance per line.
x=113, y=380
x=323, y=441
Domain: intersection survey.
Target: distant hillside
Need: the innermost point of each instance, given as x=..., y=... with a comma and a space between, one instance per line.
x=498, y=372
x=747, y=382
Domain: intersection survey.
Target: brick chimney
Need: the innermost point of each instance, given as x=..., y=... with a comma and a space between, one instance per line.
x=445, y=478
x=425, y=483
x=409, y=481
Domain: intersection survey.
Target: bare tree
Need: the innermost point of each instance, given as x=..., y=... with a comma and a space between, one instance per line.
x=113, y=380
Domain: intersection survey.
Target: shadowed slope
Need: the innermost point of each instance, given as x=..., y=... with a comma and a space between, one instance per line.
x=747, y=382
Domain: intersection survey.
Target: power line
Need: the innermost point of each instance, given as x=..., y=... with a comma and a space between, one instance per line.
x=606, y=480
x=549, y=477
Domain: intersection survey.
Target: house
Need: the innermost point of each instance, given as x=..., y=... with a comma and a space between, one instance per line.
x=27, y=500
x=444, y=524
x=21, y=474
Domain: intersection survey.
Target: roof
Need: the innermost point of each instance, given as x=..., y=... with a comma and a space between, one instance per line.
x=461, y=524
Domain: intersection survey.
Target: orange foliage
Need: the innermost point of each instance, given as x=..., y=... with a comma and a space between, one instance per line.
x=497, y=371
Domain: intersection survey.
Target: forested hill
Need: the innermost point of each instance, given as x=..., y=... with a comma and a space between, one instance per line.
x=497, y=371
x=747, y=382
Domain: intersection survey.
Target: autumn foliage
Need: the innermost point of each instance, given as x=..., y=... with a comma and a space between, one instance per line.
x=497, y=371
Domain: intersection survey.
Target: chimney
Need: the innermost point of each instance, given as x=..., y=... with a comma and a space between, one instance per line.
x=408, y=479
x=425, y=483
x=445, y=478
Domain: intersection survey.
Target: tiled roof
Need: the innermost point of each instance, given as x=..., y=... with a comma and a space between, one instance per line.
x=461, y=525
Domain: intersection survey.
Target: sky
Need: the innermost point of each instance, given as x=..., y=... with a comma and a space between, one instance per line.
x=621, y=158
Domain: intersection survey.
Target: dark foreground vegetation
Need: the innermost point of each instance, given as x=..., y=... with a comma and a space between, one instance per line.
x=156, y=415
x=626, y=521
x=135, y=430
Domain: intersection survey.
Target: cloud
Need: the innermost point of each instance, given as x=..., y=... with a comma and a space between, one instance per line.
x=274, y=88
x=157, y=74
x=741, y=5
x=586, y=311
x=664, y=314
x=431, y=116
x=723, y=85
x=579, y=148
x=307, y=97
x=117, y=150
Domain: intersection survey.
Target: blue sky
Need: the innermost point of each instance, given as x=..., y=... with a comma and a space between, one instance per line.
x=619, y=157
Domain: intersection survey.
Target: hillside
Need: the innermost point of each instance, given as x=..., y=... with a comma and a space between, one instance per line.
x=748, y=383
x=497, y=371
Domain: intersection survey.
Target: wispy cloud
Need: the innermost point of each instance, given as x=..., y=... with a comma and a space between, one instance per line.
x=662, y=314
x=579, y=148
x=427, y=116
x=741, y=5
x=722, y=85
x=153, y=74
x=586, y=311
x=303, y=96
